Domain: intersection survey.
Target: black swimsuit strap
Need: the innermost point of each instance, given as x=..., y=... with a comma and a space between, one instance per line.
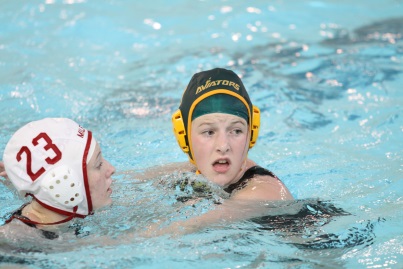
x=250, y=173
x=18, y=215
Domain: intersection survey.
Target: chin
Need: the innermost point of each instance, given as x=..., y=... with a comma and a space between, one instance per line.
x=109, y=202
x=221, y=181
x=105, y=204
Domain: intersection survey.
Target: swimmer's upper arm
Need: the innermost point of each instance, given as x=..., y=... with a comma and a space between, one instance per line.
x=157, y=171
x=263, y=188
x=170, y=168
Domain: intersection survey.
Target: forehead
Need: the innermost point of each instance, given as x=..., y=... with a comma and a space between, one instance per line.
x=96, y=154
x=218, y=118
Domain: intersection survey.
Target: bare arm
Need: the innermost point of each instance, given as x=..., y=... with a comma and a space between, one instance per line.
x=229, y=211
x=244, y=204
x=157, y=171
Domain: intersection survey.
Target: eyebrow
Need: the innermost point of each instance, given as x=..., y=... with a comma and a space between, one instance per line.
x=215, y=123
x=238, y=121
x=206, y=123
x=98, y=156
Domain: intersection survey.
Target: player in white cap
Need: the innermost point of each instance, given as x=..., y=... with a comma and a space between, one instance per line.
x=59, y=164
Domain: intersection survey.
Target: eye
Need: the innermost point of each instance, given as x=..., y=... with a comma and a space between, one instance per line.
x=237, y=131
x=208, y=132
x=100, y=165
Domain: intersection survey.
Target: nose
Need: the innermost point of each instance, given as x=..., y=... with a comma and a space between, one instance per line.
x=223, y=145
x=111, y=169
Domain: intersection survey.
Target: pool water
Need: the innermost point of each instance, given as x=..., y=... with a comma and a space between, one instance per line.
x=326, y=75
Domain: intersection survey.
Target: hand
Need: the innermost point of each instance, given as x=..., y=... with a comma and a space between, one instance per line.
x=3, y=171
x=3, y=174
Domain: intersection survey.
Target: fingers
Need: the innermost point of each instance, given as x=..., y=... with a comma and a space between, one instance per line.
x=3, y=171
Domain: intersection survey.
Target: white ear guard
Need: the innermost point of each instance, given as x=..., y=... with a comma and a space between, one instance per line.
x=62, y=185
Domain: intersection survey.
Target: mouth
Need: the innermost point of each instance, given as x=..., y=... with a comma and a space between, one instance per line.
x=109, y=190
x=221, y=165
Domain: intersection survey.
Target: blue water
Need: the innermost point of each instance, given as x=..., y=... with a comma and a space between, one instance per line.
x=326, y=75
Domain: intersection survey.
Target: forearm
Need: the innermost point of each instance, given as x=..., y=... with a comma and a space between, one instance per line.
x=229, y=211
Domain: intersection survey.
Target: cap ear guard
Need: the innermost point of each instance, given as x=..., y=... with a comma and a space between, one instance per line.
x=62, y=186
x=179, y=131
x=255, y=125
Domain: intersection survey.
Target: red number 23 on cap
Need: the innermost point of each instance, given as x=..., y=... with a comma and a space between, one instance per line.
x=49, y=146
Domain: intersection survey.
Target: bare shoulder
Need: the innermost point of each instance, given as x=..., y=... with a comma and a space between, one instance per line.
x=264, y=188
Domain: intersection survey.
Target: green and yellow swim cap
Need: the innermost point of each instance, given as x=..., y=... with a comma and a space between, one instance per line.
x=214, y=91
x=221, y=103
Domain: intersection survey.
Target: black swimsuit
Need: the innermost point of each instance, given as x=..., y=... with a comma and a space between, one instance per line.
x=250, y=173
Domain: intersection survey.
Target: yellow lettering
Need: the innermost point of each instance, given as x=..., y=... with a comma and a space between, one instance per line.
x=200, y=88
x=210, y=83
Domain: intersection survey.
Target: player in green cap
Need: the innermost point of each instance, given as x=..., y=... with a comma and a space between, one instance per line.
x=216, y=125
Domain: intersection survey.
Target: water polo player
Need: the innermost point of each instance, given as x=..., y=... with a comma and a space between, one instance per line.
x=216, y=125
x=59, y=164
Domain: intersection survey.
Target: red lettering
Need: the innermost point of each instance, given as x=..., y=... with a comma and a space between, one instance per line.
x=49, y=145
x=81, y=132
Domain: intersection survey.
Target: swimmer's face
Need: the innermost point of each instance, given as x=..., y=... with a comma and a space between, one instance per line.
x=99, y=178
x=220, y=146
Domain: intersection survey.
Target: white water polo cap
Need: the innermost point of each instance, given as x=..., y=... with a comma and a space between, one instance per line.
x=48, y=159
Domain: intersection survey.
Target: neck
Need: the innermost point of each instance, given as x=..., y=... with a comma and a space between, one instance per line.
x=37, y=213
x=245, y=166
